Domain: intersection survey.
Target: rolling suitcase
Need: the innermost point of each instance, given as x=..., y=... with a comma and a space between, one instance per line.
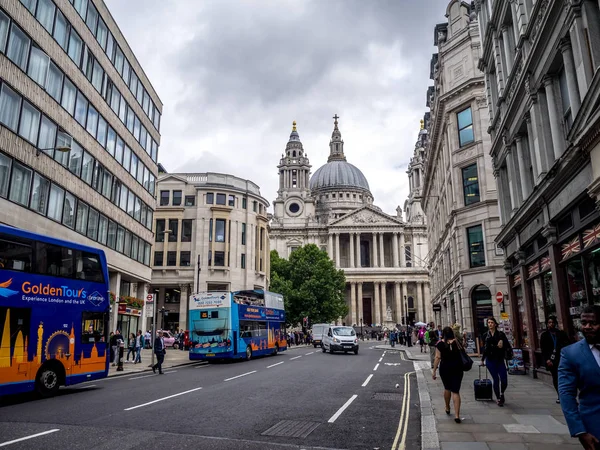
x=483, y=387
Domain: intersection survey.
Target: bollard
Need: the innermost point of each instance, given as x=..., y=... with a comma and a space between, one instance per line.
x=120, y=352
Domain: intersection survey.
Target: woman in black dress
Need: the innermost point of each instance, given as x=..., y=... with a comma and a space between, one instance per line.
x=448, y=359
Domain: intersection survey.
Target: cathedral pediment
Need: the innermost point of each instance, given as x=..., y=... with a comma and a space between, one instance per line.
x=365, y=217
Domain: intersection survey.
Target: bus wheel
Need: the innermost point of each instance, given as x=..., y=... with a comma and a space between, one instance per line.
x=248, y=353
x=47, y=381
x=276, y=350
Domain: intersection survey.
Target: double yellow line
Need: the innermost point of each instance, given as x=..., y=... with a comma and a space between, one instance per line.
x=403, y=425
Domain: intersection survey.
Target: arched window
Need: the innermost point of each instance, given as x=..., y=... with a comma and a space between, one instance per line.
x=294, y=154
x=408, y=256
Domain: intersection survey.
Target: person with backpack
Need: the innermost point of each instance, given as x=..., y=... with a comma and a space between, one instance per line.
x=433, y=338
x=495, y=350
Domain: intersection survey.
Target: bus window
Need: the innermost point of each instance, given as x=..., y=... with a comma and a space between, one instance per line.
x=88, y=267
x=15, y=255
x=93, y=327
x=53, y=260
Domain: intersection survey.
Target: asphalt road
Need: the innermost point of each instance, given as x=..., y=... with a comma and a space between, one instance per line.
x=328, y=401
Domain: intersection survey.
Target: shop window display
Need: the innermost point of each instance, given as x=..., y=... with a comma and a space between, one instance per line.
x=523, y=315
x=577, y=295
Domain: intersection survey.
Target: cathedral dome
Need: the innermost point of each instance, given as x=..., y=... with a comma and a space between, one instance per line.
x=338, y=174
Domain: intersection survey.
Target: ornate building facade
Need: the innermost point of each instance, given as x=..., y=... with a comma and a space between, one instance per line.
x=382, y=255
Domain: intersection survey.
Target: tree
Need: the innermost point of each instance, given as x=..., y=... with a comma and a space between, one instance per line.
x=310, y=284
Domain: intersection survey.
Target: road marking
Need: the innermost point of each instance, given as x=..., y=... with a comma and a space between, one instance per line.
x=14, y=441
x=143, y=376
x=403, y=424
x=201, y=366
x=276, y=364
x=310, y=353
x=238, y=376
x=86, y=387
x=296, y=357
x=367, y=380
x=380, y=359
x=172, y=371
x=161, y=399
x=342, y=409
x=376, y=366
x=393, y=364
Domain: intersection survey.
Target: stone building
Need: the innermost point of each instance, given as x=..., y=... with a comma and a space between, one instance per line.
x=541, y=60
x=381, y=255
x=459, y=190
x=79, y=136
x=211, y=234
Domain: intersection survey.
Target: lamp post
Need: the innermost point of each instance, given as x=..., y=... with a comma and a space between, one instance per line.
x=407, y=316
x=362, y=336
x=66, y=147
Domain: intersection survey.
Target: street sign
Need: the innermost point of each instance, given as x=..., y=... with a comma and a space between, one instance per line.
x=149, y=309
x=499, y=297
x=437, y=307
x=150, y=298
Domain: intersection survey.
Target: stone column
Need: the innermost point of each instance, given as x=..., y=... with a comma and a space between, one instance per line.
x=374, y=263
x=376, y=303
x=351, y=243
x=383, y=302
x=360, y=302
x=574, y=98
x=330, y=246
x=402, y=251
x=404, y=301
x=556, y=129
x=424, y=314
x=395, y=249
x=142, y=293
x=534, y=152
x=397, y=303
x=381, y=252
x=353, y=320
x=358, y=258
x=508, y=56
x=115, y=288
x=337, y=251
x=183, y=306
x=523, y=172
x=512, y=181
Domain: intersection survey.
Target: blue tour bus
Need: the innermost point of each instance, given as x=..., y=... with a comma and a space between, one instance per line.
x=54, y=309
x=241, y=324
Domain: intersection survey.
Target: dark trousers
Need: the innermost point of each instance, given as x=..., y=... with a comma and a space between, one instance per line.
x=160, y=357
x=499, y=375
x=554, y=372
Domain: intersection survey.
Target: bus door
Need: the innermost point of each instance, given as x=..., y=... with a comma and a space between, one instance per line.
x=235, y=342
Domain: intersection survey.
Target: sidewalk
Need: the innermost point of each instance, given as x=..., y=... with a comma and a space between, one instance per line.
x=173, y=358
x=530, y=419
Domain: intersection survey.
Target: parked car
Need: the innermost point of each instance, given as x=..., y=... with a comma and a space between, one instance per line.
x=342, y=339
x=168, y=338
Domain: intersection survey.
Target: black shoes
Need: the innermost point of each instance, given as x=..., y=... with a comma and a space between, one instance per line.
x=501, y=400
x=153, y=369
x=457, y=420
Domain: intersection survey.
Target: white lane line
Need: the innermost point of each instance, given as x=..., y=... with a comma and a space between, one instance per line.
x=238, y=376
x=295, y=357
x=273, y=365
x=376, y=366
x=87, y=387
x=143, y=376
x=380, y=359
x=161, y=399
x=14, y=441
x=367, y=380
x=310, y=353
x=171, y=371
x=201, y=366
x=342, y=409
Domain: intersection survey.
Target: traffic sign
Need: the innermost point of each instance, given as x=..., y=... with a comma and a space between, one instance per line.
x=499, y=297
x=150, y=298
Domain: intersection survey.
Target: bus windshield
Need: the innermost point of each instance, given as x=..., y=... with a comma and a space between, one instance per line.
x=211, y=332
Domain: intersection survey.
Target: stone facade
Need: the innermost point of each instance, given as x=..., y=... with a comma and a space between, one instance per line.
x=381, y=255
x=115, y=228
x=218, y=239
x=459, y=192
x=541, y=60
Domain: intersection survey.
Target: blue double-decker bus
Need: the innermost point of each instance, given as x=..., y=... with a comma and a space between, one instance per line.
x=54, y=309
x=241, y=324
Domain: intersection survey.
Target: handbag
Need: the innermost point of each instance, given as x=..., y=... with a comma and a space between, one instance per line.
x=466, y=361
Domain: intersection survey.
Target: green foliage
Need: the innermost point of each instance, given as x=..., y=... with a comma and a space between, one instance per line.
x=310, y=284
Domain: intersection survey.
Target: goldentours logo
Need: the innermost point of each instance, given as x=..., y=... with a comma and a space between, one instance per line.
x=96, y=298
x=4, y=291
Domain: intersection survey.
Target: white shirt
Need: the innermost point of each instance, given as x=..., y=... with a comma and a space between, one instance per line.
x=596, y=353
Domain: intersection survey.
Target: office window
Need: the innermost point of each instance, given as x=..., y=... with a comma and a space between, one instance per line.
x=160, y=230
x=112, y=234
x=102, y=229
x=69, y=95
x=254, y=204
x=231, y=200
x=465, y=127
x=61, y=30
x=171, y=258
x=18, y=47
x=30, y=123
x=4, y=24
x=81, y=219
x=243, y=234
x=476, y=249
x=92, y=121
x=184, y=259
x=20, y=184
x=243, y=261
x=173, y=228
x=470, y=184
x=219, y=259
x=210, y=230
x=164, y=198
x=55, y=203
x=101, y=134
x=176, y=198
x=81, y=106
x=158, y=258
x=244, y=202
x=186, y=230
x=10, y=104
x=68, y=218
x=92, y=230
x=190, y=200
x=39, y=194
x=220, y=230
x=210, y=198
x=38, y=66
x=54, y=82
x=75, y=47
x=127, y=243
x=221, y=199
x=47, y=136
x=5, y=165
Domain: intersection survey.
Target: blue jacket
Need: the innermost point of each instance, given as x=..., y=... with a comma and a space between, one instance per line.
x=579, y=372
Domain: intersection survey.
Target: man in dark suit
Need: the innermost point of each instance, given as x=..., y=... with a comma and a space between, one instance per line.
x=579, y=372
x=159, y=351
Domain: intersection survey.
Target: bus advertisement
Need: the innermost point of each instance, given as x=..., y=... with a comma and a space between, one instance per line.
x=241, y=324
x=54, y=309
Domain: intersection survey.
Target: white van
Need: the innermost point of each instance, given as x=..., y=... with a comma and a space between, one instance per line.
x=342, y=339
x=318, y=330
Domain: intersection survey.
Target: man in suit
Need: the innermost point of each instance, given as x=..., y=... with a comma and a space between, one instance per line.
x=579, y=372
x=159, y=351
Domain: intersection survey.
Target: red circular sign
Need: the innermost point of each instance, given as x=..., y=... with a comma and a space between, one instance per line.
x=499, y=297
x=149, y=297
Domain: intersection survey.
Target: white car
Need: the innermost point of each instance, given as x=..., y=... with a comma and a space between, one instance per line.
x=318, y=331
x=342, y=339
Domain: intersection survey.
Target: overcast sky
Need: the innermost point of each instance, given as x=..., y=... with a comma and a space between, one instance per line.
x=233, y=75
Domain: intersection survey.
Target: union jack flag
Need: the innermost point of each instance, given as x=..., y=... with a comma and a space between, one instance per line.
x=516, y=280
x=570, y=248
x=545, y=263
x=533, y=269
x=591, y=235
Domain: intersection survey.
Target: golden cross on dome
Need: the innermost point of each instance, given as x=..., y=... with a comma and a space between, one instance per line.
x=294, y=125
x=422, y=124
x=336, y=117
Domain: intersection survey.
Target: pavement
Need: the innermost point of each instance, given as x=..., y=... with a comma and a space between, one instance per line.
x=531, y=418
x=173, y=358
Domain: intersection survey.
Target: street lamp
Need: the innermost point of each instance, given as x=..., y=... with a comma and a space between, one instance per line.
x=362, y=336
x=63, y=148
x=406, y=303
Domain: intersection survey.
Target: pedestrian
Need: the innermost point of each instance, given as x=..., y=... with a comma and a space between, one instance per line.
x=552, y=341
x=131, y=347
x=579, y=381
x=409, y=336
x=148, y=339
x=114, y=345
x=449, y=361
x=159, y=351
x=139, y=345
x=421, y=337
x=495, y=349
x=112, y=351
x=434, y=338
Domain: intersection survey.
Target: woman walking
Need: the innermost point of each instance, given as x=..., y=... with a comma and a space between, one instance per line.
x=552, y=342
x=494, y=353
x=421, y=337
x=131, y=347
x=448, y=359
